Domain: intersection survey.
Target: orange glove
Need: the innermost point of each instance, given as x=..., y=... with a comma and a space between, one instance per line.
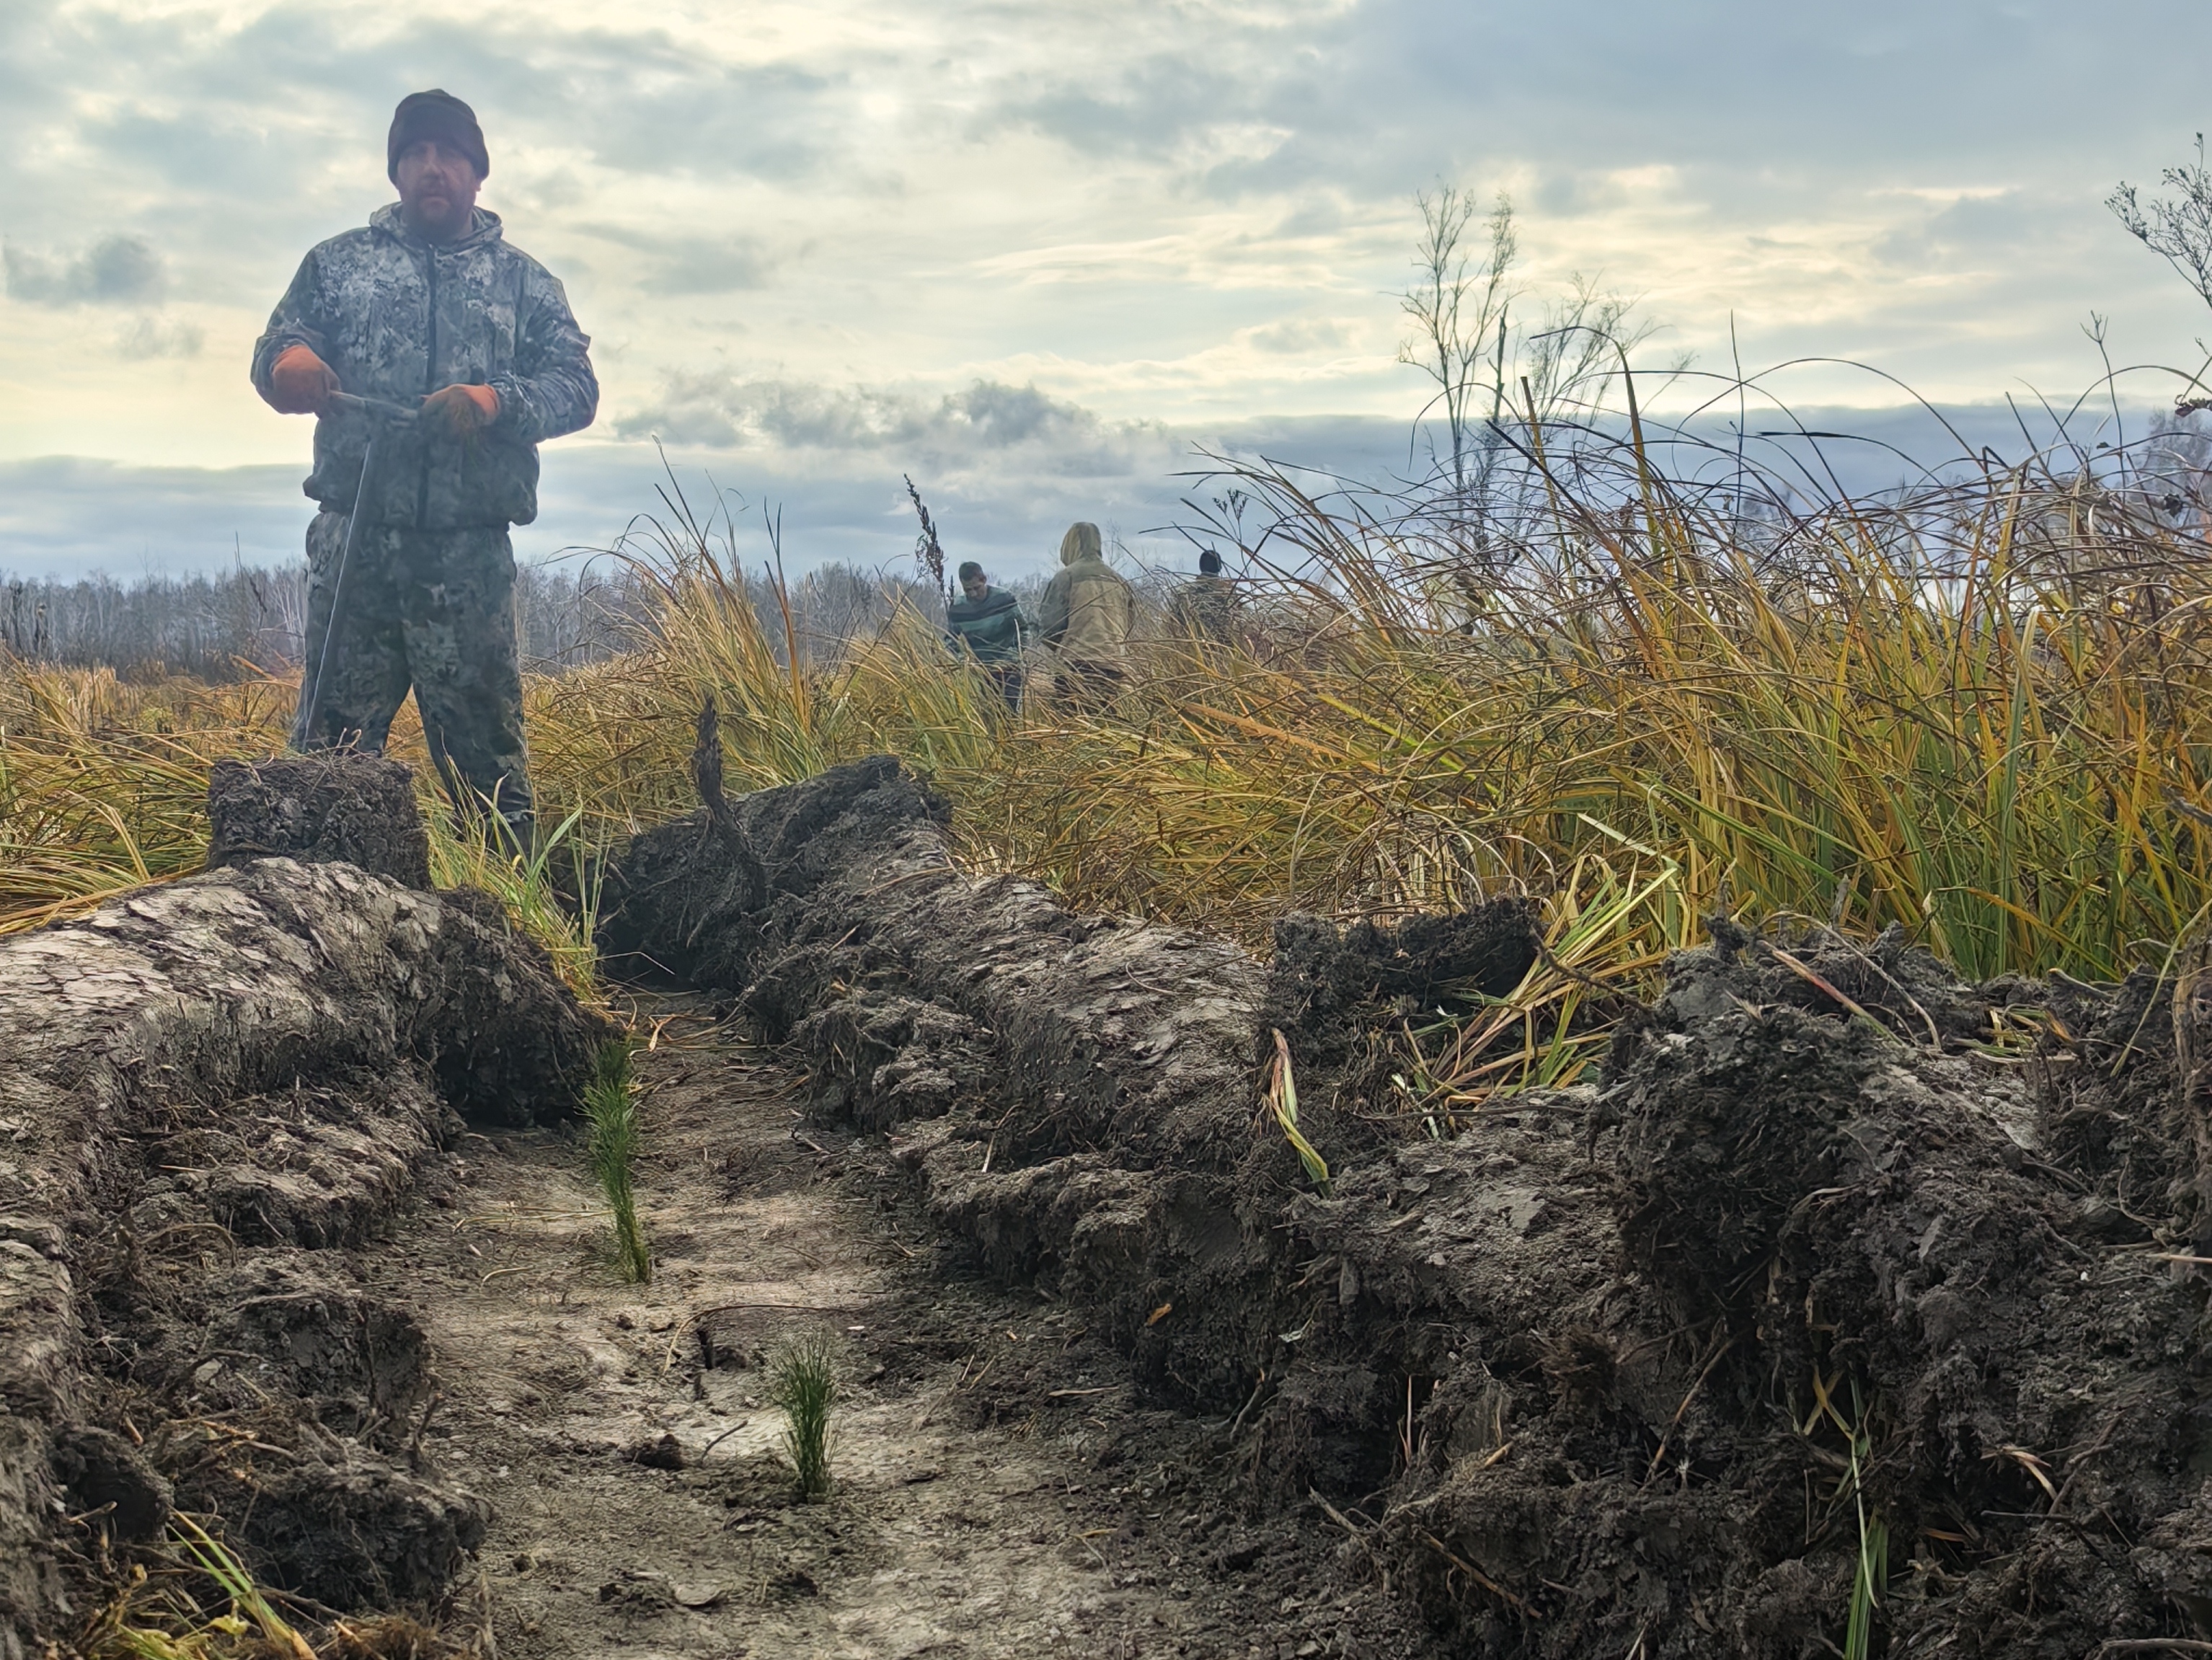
x=300, y=383
x=465, y=409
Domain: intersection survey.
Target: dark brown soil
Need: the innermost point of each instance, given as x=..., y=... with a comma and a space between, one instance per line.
x=1840, y=1262
x=359, y=809
x=1621, y=1369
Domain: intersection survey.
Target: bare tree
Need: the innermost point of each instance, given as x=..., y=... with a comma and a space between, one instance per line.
x=1499, y=383
x=1459, y=307
x=2179, y=230
x=1573, y=359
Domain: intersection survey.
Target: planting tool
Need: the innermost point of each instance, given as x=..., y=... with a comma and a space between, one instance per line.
x=382, y=416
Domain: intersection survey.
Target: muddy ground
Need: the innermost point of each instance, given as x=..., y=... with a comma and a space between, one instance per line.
x=1002, y=1489
x=1841, y=1282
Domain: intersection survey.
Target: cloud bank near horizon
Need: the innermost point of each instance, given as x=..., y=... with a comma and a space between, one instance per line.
x=1003, y=468
x=810, y=230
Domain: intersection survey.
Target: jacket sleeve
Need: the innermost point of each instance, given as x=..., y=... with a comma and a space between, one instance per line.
x=551, y=389
x=1052, y=611
x=298, y=320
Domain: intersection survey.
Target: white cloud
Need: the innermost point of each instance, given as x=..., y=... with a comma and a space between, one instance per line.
x=152, y=336
x=800, y=229
x=116, y=271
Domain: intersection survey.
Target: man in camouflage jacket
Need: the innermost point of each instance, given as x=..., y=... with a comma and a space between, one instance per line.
x=429, y=308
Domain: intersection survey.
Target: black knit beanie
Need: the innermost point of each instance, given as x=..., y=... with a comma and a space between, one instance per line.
x=434, y=114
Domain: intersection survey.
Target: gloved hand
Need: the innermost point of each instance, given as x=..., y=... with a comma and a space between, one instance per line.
x=465, y=409
x=300, y=383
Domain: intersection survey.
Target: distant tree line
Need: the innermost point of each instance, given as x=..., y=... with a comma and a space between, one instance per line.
x=248, y=620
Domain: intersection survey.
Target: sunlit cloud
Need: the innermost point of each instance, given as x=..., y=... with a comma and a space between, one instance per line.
x=1066, y=241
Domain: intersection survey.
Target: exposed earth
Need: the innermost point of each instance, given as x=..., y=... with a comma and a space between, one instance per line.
x=1848, y=1309
x=1001, y=1489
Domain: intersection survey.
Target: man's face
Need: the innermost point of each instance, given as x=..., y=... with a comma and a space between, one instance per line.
x=437, y=190
x=974, y=586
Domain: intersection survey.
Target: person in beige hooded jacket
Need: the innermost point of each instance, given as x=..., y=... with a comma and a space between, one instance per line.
x=1085, y=617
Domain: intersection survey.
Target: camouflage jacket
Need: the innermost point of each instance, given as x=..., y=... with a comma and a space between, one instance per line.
x=397, y=317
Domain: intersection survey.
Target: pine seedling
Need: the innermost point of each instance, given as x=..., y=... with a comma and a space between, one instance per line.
x=802, y=1382
x=611, y=1111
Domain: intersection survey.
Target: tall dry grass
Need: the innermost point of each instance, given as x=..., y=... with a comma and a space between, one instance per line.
x=1981, y=712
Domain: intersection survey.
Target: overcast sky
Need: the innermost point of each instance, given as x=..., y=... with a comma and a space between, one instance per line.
x=1031, y=252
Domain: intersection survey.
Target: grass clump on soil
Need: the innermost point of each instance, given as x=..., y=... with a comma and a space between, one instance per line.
x=478, y=850
x=1870, y=1569
x=611, y=1147
x=155, y=1616
x=803, y=1385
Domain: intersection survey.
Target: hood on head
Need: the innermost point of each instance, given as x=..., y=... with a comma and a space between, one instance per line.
x=1081, y=542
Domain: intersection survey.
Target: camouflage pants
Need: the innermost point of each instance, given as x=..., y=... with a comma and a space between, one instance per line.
x=433, y=610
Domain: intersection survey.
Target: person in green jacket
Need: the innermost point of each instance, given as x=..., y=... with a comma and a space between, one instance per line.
x=1088, y=612
x=988, y=624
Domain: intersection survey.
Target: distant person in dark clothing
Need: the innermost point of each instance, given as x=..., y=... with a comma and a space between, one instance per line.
x=988, y=624
x=1208, y=606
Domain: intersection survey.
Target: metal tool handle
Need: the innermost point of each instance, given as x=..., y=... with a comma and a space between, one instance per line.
x=311, y=699
x=376, y=408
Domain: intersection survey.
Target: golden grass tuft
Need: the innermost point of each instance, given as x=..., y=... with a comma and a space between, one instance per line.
x=1988, y=720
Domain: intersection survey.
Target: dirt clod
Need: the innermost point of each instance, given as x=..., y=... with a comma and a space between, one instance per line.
x=359, y=809
x=104, y=1472
x=355, y=1530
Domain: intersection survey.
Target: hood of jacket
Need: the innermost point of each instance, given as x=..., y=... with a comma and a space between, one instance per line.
x=1082, y=544
x=484, y=227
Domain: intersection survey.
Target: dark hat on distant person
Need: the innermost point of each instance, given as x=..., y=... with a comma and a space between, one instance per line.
x=439, y=115
x=1210, y=562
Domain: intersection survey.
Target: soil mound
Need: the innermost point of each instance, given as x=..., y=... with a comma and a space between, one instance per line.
x=214, y=1087
x=1836, y=1284
x=357, y=809
x=1328, y=987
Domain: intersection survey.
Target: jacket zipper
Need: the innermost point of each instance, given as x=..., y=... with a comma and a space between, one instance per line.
x=429, y=386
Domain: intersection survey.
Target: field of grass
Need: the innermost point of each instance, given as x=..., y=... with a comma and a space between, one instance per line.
x=1982, y=716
